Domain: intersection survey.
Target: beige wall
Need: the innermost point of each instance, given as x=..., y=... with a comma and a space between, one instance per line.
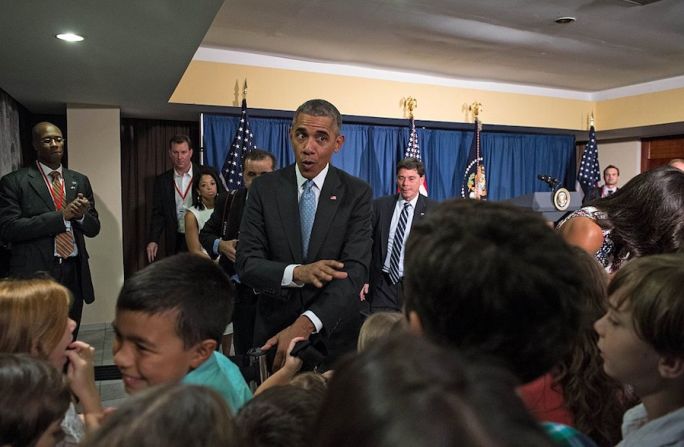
x=95, y=150
x=219, y=84
x=641, y=110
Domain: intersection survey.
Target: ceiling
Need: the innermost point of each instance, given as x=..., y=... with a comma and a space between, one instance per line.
x=135, y=51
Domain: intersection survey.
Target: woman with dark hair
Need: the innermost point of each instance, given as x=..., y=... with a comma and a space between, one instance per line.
x=205, y=188
x=644, y=217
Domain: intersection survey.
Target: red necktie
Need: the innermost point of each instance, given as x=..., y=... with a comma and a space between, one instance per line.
x=64, y=242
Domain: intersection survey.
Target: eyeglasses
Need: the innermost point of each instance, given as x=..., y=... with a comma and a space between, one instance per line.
x=48, y=140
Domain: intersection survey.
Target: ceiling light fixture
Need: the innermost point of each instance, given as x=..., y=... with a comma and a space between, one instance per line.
x=69, y=37
x=564, y=20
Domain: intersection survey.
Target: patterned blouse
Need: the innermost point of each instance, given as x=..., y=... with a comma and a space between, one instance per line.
x=606, y=254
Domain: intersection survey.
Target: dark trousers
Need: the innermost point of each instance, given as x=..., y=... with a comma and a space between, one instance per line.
x=385, y=296
x=244, y=313
x=65, y=272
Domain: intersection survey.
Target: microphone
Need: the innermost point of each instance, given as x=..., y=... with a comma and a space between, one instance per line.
x=552, y=182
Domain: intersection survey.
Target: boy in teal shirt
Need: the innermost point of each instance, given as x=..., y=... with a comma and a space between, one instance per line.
x=169, y=318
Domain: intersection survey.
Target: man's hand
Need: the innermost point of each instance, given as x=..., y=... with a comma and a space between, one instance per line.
x=302, y=327
x=319, y=273
x=76, y=209
x=151, y=250
x=228, y=248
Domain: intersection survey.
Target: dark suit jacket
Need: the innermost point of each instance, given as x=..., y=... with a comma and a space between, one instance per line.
x=224, y=224
x=163, y=218
x=29, y=221
x=270, y=239
x=383, y=209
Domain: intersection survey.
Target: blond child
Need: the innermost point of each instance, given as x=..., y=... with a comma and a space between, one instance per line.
x=641, y=339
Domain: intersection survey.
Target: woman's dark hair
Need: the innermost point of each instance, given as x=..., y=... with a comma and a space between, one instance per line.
x=33, y=395
x=646, y=215
x=197, y=178
x=595, y=400
x=406, y=391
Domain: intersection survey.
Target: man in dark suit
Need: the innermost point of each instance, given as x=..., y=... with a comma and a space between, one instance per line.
x=219, y=236
x=305, y=241
x=611, y=176
x=387, y=265
x=171, y=195
x=45, y=212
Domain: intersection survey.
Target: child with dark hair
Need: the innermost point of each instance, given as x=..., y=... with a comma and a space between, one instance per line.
x=171, y=416
x=282, y=416
x=169, y=318
x=496, y=283
x=406, y=391
x=33, y=399
x=641, y=339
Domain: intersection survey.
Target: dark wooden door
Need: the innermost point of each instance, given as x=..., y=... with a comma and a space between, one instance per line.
x=659, y=151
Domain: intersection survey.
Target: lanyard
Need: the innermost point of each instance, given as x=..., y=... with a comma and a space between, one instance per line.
x=182, y=195
x=57, y=196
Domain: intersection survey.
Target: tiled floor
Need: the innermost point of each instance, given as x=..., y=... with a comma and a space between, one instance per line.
x=100, y=337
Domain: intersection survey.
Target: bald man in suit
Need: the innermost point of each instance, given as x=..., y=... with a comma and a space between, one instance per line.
x=42, y=201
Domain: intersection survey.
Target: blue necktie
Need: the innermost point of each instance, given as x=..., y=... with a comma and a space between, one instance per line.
x=398, y=244
x=307, y=212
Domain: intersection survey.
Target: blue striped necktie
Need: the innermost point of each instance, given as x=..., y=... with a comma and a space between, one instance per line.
x=307, y=212
x=398, y=244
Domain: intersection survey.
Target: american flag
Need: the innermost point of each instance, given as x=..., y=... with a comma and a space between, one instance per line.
x=413, y=151
x=243, y=142
x=474, y=185
x=589, y=173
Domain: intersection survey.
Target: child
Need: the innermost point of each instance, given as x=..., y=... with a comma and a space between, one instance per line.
x=169, y=415
x=379, y=325
x=406, y=391
x=641, y=339
x=169, y=318
x=34, y=320
x=33, y=399
x=494, y=282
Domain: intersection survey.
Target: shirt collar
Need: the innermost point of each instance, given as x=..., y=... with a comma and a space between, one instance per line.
x=178, y=174
x=412, y=201
x=47, y=169
x=318, y=180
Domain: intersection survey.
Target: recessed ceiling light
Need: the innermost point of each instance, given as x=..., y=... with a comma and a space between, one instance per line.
x=564, y=20
x=69, y=37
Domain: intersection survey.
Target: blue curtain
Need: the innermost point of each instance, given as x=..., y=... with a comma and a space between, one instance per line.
x=371, y=152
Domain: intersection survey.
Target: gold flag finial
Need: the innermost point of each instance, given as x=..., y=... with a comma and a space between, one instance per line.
x=244, y=90
x=410, y=104
x=476, y=108
x=591, y=120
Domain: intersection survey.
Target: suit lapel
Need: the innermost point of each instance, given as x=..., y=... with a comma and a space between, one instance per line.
x=288, y=209
x=70, y=186
x=419, y=213
x=331, y=196
x=37, y=182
